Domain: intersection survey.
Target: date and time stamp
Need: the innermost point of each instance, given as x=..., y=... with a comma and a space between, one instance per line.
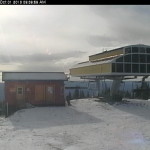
x=23, y=2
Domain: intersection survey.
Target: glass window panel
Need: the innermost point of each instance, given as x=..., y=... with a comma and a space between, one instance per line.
x=148, y=58
x=120, y=59
x=142, y=49
x=135, y=68
x=127, y=67
x=148, y=68
x=113, y=67
x=135, y=58
x=142, y=68
x=127, y=58
x=128, y=50
x=119, y=67
x=20, y=90
x=135, y=50
x=142, y=58
x=147, y=50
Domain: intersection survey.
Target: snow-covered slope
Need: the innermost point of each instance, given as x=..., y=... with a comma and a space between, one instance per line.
x=86, y=125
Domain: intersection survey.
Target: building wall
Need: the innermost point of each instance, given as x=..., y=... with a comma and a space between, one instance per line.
x=34, y=92
x=93, y=69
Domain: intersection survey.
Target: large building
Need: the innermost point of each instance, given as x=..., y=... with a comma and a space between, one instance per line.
x=131, y=60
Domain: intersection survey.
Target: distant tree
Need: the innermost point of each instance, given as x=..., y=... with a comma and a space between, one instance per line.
x=142, y=91
x=82, y=94
x=88, y=95
x=127, y=94
x=69, y=96
x=76, y=93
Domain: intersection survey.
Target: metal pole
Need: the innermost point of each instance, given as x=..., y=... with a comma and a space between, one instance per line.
x=98, y=87
x=7, y=109
x=114, y=91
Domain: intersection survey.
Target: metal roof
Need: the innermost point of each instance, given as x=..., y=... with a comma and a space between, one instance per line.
x=95, y=63
x=139, y=45
x=6, y=76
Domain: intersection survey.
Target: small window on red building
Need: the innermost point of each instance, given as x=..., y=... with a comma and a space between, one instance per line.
x=50, y=89
x=20, y=90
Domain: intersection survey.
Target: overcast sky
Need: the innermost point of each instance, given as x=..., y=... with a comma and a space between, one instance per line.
x=55, y=37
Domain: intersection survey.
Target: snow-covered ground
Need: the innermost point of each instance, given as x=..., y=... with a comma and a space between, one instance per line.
x=86, y=125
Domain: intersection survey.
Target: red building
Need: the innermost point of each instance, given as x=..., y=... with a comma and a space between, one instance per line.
x=36, y=88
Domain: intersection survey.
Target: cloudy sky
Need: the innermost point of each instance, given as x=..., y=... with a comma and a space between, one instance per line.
x=55, y=37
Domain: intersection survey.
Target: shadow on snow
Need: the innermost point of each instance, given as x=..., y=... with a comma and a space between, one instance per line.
x=41, y=117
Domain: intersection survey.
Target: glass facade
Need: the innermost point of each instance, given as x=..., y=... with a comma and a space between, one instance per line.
x=135, y=60
x=136, y=49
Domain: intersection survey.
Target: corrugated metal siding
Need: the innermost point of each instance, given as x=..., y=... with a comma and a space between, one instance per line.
x=91, y=70
x=106, y=68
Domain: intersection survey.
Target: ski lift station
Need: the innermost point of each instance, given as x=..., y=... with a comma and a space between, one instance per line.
x=117, y=64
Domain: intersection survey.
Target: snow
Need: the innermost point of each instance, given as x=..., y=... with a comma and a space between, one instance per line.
x=86, y=125
x=33, y=76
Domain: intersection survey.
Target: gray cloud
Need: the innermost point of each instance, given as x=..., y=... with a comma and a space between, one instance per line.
x=41, y=66
x=41, y=61
x=127, y=25
x=101, y=40
x=54, y=37
x=39, y=57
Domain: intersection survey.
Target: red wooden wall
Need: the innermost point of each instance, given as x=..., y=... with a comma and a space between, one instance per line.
x=35, y=92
